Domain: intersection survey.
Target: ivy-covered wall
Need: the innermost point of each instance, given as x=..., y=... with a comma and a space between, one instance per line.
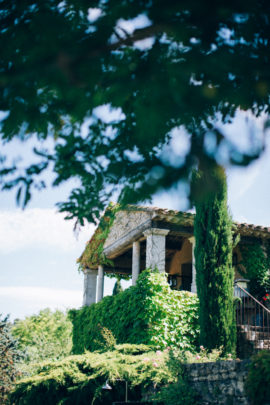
x=148, y=313
x=255, y=266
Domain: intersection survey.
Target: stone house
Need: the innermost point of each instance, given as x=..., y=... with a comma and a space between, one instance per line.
x=149, y=237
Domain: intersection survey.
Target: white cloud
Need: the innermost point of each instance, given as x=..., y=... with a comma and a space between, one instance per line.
x=39, y=228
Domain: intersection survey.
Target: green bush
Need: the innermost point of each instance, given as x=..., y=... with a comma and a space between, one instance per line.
x=258, y=379
x=256, y=261
x=45, y=336
x=9, y=356
x=79, y=379
x=149, y=313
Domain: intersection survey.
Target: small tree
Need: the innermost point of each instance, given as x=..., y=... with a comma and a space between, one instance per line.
x=45, y=336
x=117, y=287
x=9, y=355
x=213, y=254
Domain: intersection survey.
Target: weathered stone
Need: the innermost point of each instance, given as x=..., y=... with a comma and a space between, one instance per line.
x=219, y=383
x=155, y=248
x=100, y=283
x=89, y=287
x=126, y=222
x=135, y=261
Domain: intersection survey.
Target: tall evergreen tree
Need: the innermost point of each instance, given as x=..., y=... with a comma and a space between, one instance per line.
x=213, y=254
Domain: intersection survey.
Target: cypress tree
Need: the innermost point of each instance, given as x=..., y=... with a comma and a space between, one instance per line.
x=213, y=257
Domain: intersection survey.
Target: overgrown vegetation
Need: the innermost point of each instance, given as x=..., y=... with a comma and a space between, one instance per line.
x=93, y=254
x=258, y=379
x=213, y=253
x=45, y=336
x=9, y=356
x=148, y=313
x=256, y=261
x=78, y=379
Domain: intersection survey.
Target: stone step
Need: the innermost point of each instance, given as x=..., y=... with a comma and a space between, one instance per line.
x=246, y=328
x=251, y=335
x=262, y=344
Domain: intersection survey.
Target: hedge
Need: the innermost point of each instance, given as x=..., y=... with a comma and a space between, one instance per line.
x=149, y=313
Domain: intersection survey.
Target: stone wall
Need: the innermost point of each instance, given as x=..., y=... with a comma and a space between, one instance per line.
x=219, y=383
x=125, y=222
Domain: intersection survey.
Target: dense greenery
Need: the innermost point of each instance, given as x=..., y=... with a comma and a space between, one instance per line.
x=45, y=336
x=213, y=254
x=149, y=313
x=78, y=379
x=9, y=356
x=258, y=379
x=256, y=261
x=156, y=66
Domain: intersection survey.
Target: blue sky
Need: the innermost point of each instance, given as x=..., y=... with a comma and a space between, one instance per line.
x=38, y=249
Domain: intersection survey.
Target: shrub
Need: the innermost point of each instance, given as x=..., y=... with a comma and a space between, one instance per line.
x=258, y=379
x=45, y=336
x=79, y=379
x=256, y=262
x=9, y=355
x=149, y=313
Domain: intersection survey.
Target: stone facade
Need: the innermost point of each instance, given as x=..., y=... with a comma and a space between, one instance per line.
x=220, y=383
x=125, y=222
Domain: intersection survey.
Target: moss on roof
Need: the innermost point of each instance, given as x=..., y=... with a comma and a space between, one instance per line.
x=93, y=255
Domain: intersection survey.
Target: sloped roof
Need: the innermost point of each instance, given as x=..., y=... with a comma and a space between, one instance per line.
x=187, y=219
x=94, y=245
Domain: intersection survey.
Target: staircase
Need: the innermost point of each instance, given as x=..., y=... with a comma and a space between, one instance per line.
x=253, y=323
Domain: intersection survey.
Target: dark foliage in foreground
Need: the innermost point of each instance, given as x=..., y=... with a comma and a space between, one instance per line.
x=189, y=65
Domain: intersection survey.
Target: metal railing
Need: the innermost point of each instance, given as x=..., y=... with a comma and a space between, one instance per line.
x=252, y=319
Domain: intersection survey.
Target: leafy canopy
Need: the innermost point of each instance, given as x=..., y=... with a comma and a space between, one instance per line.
x=45, y=336
x=148, y=313
x=163, y=70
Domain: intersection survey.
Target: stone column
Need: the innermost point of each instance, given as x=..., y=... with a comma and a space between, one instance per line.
x=193, y=284
x=135, y=261
x=155, y=248
x=100, y=283
x=89, y=287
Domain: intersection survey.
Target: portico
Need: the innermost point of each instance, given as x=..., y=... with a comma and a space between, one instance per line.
x=143, y=238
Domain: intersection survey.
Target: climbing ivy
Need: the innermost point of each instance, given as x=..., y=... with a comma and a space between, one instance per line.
x=147, y=313
x=255, y=267
x=93, y=254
